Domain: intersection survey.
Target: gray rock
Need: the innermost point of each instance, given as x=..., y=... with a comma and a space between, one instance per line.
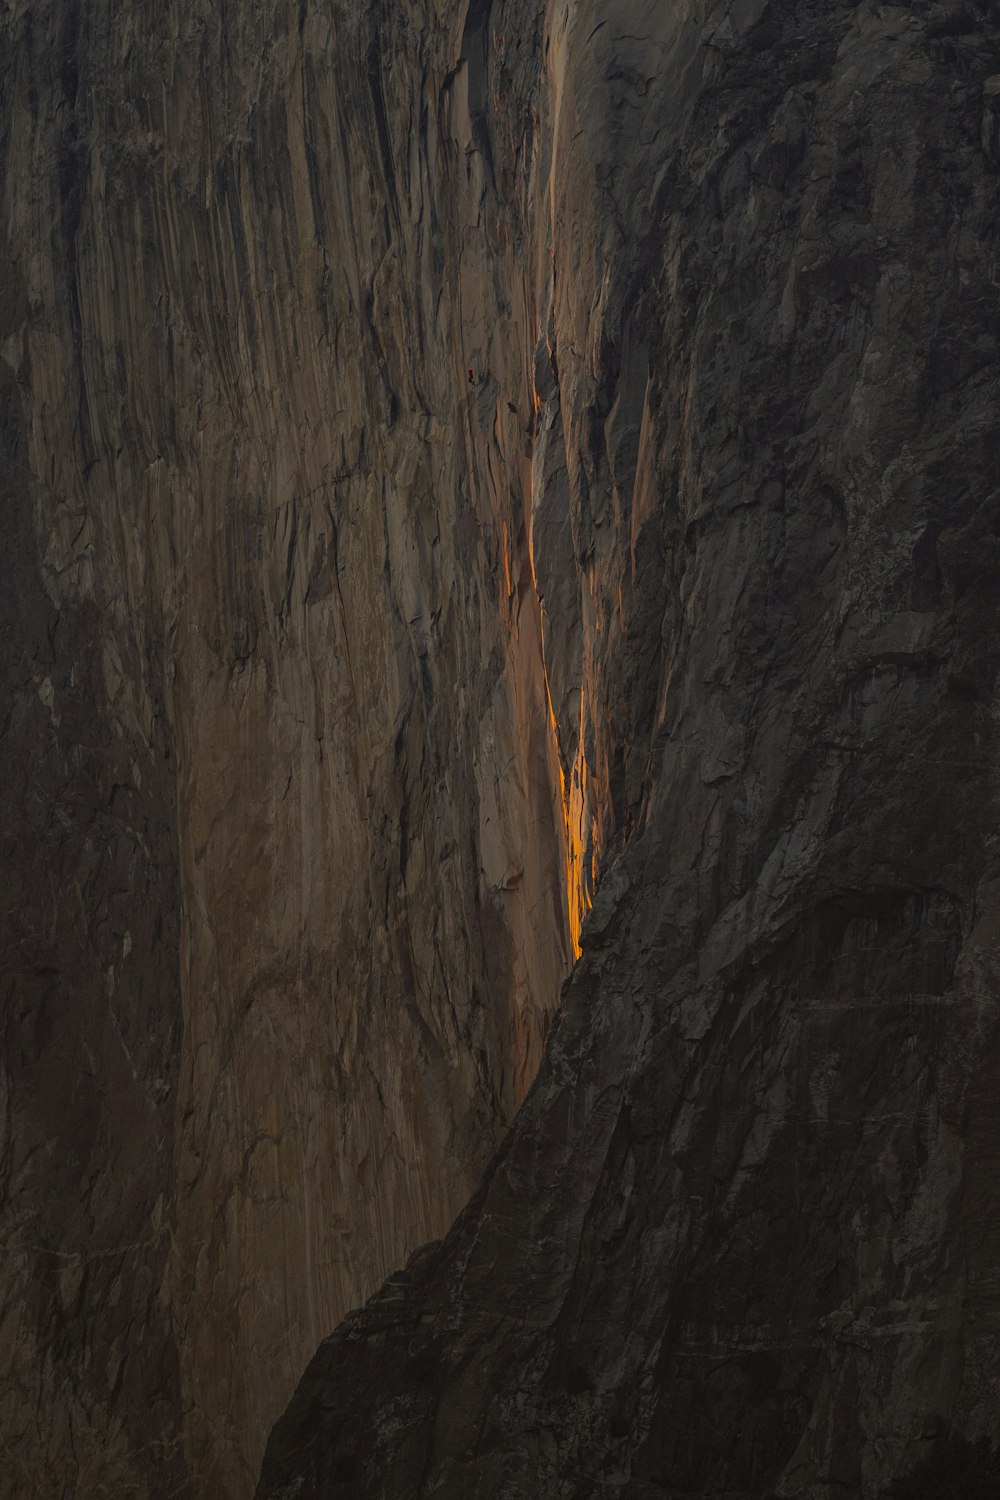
x=348, y=701
x=743, y=1236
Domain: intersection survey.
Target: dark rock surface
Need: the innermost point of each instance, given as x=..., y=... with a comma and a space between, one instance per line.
x=91, y=1016
x=344, y=699
x=743, y=1238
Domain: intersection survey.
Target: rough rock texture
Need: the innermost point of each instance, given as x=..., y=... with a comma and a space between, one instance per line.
x=744, y=1236
x=337, y=687
x=287, y=903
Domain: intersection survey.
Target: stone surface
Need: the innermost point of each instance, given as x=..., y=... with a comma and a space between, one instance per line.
x=339, y=688
x=285, y=876
x=742, y=1239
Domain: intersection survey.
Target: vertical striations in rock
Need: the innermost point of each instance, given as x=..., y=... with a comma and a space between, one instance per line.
x=294, y=861
x=743, y=1238
x=89, y=990
x=485, y=482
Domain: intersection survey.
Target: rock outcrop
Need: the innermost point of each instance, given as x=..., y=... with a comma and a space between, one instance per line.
x=743, y=1239
x=485, y=479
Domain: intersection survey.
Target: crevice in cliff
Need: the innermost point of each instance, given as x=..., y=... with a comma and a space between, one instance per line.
x=476, y=54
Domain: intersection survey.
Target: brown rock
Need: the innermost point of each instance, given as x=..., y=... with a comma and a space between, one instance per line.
x=337, y=687
x=286, y=879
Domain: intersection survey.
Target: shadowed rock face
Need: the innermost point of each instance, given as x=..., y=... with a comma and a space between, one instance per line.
x=91, y=1014
x=743, y=1238
x=339, y=689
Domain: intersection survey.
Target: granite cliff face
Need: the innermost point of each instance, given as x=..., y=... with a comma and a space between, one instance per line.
x=743, y=1237
x=340, y=687
x=287, y=888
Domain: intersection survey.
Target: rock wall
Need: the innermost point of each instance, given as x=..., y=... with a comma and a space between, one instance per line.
x=292, y=884
x=339, y=686
x=743, y=1237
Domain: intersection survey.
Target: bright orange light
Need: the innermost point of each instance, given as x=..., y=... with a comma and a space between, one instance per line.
x=574, y=797
x=575, y=818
